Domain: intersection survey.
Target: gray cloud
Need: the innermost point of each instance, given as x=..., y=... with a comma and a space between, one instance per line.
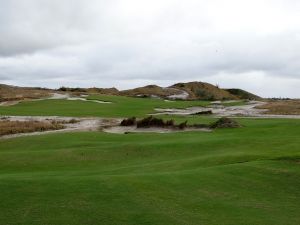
x=247, y=44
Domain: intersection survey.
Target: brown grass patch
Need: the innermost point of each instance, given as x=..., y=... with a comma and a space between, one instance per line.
x=204, y=91
x=150, y=91
x=11, y=93
x=14, y=127
x=282, y=107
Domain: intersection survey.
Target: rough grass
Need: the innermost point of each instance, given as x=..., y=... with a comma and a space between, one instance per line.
x=10, y=93
x=150, y=90
x=204, y=91
x=14, y=127
x=282, y=107
x=247, y=176
x=242, y=94
x=234, y=103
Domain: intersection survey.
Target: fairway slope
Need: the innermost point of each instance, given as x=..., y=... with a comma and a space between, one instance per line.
x=245, y=176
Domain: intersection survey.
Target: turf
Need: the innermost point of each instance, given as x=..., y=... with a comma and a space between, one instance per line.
x=120, y=107
x=245, y=176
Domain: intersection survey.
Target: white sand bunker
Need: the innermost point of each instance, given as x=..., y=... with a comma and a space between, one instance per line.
x=218, y=110
x=108, y=125
x=71, y=124
x=183, y=95
x=56, y=96
x=134, y=129
x=249, y=110
x=9, y=103
x=68, y=97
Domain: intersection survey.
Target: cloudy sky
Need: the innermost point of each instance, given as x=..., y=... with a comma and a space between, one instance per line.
x=250, y=44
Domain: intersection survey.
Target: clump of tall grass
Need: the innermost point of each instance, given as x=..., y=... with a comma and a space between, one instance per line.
x=151, y=122
x=128, y=122
x=225, y=122
x=14, y=127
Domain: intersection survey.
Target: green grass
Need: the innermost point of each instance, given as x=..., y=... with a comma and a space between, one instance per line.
x=234, y=103
x=244, y=176
x=120, y=107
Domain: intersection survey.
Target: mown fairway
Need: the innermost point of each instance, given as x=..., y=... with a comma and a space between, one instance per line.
x=245, y=176
x=120, y=107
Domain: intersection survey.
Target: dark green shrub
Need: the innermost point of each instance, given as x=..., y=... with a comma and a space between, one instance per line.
x=128, y=122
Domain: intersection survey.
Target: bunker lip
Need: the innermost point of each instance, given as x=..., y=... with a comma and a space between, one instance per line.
x=81, y=124
x=134, y=129
x=108, y=125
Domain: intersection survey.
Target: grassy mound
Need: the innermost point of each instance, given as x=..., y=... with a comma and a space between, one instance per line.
x=204, y=91
x=150, y=91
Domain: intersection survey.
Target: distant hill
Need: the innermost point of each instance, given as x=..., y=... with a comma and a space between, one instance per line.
x=189, y=91
x=94, y=90
x=150, y=91
x=204, y=91
x=104, y=91
x=242, y=94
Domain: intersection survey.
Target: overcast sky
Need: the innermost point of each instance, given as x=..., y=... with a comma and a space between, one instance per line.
x=249, y=44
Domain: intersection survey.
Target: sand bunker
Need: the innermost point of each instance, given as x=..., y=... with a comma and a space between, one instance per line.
x=134, y=129
x=183, y=95
x=79, y=124
x=86, y=100
x=9, y=103
x=217, y=110
x=59, y=96
x=56, y=96
x=108, y=125
x=83, y=98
